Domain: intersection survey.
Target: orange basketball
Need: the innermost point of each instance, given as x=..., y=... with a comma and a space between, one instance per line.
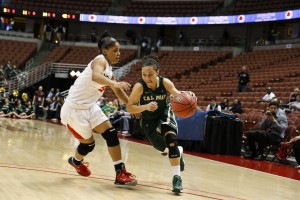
x=184, y=105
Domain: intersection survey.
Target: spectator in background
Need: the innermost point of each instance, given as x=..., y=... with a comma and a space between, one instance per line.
x=15, y=71
x=60, y=102
x=225, y=104
x=271, y=132
x=236, y=107
x=51, y=108
x=295, y=105
x=293, y=95
x=121, y=119
x=50, y=94
x=269, y=96
x=38, y=101
x=296, y=147
x=19, y=110
x=8, y=69
x=57, y=94
x=48, y=32
x=144, y=46
x=2, y=73
x=108, y=108
x=181, y=38
x=213, y=105
x=29, y=112
x=94, y=34
x=244, y=79
x=6, y=109
x=59, y=31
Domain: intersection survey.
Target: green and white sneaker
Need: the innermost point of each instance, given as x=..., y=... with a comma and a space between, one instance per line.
x=177, y=184
x=182, y=162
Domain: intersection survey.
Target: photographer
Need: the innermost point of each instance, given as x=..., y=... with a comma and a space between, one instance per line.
x=270, y=131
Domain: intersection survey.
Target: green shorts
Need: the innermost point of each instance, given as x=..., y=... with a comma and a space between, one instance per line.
x=154, y=131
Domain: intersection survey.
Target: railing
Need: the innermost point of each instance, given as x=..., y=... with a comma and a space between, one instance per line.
x=32, y=76
x=27, y=78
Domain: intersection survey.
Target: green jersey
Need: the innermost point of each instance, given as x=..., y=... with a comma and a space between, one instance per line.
x=152, y=121
x=7, y=108
x=19, y=109
x=29, y=110
x=159, y=95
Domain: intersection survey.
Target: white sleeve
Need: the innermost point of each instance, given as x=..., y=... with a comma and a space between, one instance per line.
x=265, y=97
x=208, y=107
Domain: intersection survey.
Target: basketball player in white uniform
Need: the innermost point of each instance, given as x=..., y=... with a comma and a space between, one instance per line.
x=83, y=116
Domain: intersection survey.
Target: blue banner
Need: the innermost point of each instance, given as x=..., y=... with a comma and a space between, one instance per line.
x=193, y=20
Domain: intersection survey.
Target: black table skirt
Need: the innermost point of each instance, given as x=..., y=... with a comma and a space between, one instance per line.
x=223, y=136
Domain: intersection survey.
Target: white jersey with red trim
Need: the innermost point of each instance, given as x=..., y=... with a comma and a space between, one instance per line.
x=85, y=92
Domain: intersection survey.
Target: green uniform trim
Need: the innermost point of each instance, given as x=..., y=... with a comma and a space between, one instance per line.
x=7, y=109
x=28, y=110
x=152, y=121
x=19, y=109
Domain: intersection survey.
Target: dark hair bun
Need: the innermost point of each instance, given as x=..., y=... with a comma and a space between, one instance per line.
x=105, y=34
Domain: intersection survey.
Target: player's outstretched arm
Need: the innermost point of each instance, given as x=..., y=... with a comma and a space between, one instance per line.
x=98, y=66
x=120, y=93
x=169, y=85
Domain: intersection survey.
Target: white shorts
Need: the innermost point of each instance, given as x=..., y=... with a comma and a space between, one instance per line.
x=81, y=122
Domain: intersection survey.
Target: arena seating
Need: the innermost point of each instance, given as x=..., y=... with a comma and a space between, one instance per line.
x=176, y=65
x=83, y=55
x=172, y=8
x=87, y=6
x=258, y=6
x=214, y=74
x=18, y=52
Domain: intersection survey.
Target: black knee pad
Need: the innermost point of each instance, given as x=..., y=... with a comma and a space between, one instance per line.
x=84, y=149
x=172, y=146
x=111, y=137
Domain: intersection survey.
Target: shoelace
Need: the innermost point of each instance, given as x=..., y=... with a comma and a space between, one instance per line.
x=85, y=164
x=128, y=174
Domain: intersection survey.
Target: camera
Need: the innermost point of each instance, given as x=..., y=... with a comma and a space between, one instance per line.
x=268, y=112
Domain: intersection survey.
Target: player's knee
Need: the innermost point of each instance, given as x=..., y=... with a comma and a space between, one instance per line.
x=172, y=146
x=111, y=137
x=84, y=149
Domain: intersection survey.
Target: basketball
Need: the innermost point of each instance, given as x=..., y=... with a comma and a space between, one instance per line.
x=184, y=105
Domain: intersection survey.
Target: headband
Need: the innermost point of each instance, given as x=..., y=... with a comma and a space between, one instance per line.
x=108, y=42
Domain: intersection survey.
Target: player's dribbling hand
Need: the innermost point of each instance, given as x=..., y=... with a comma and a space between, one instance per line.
x=191, y=93
x=152, y=106
x=122, y=85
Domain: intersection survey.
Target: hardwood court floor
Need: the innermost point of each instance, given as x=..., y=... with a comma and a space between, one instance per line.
x=34, y=165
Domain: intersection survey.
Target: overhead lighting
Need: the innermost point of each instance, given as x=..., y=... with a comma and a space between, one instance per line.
x=73, y=73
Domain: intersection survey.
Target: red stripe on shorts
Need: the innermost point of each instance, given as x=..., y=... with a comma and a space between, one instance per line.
x=74, y=132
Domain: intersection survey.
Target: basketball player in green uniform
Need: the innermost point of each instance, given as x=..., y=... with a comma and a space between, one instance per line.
x=149, y=96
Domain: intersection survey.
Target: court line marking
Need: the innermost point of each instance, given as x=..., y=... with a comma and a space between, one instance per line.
x=109, y=178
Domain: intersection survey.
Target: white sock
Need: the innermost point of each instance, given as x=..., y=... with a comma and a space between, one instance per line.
x=118, y=162
x=176, y=170
x=77, y=159
x=180, y=150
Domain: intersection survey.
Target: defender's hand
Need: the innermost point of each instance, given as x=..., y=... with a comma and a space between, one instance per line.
x=122, y=85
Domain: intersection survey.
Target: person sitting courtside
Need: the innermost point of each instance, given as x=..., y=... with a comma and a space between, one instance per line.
x=213, y=105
